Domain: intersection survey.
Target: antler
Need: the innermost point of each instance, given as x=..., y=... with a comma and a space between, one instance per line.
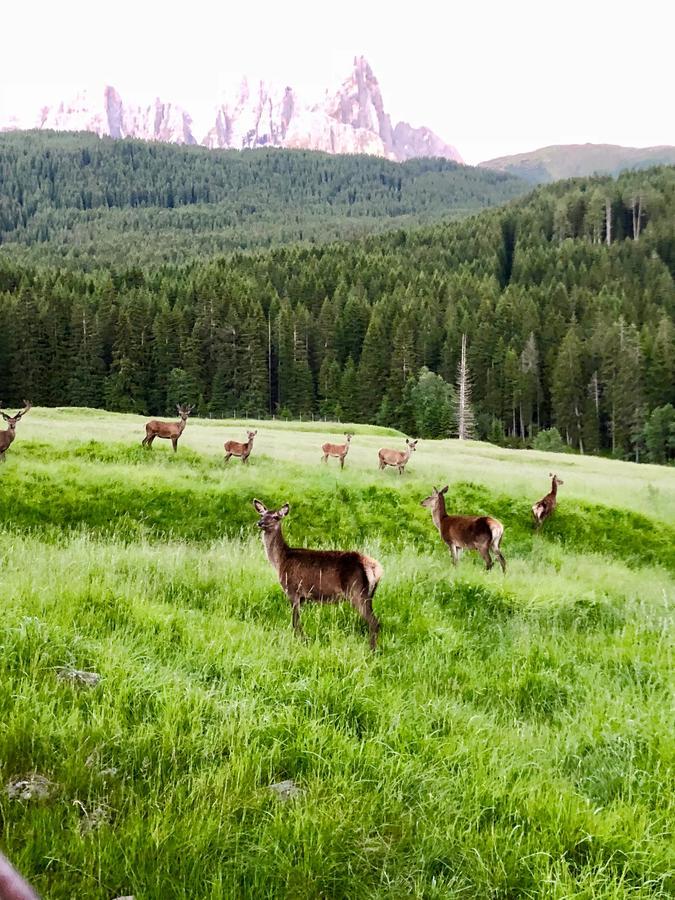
x=27, y=406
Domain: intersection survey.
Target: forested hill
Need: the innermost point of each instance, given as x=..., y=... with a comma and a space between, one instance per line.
x=567, y=299
x=85, y=201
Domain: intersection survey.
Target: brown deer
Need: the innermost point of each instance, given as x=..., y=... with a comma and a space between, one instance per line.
x=482, y=533
x=320, y=576
x=235, y=448
x=397, y=458
x=339, y=450
x=543, y=508
x=8, y=435
x=169, y=430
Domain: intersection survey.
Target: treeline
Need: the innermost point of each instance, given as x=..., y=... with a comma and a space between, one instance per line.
x=84, y=201
x=567, y=300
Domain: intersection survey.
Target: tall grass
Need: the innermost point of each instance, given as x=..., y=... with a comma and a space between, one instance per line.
x=512, y=736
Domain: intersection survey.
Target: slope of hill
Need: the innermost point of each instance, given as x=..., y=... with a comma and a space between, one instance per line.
x=511, y=731
x=573, y=160
x=566, y=298
x=82, y=197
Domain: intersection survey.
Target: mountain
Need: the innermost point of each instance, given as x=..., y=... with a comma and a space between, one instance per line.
x=257, y=114
x=574, y=160
x=87, y=200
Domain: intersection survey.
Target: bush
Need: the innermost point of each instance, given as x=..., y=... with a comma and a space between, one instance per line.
x=550, y=440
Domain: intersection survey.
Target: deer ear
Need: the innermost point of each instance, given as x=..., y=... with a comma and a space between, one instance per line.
x=259, y=507
x=284, y=510
x=444, y=490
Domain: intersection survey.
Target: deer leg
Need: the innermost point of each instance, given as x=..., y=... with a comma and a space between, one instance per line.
x=149, y=438
x=228, y=456
x=364, y=607
x=297, y=627
x=381, y=465
x=485, y=553
x=455, y=553
x=342, y=462
x=174, y=441
x=244, y=460
x=500, y=557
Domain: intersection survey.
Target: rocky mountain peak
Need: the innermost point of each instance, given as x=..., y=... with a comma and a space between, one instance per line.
x=256, y=113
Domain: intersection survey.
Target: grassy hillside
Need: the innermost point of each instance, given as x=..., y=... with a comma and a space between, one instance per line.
x=511, y=737
x=575, y=160
x=87, y=201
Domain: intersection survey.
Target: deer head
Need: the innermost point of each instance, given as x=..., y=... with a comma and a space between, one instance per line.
x=412, y=444
x=433, y=501
x=348, y=436
x=556, y=481
x=251, y=434
x=12, y=420
x=184, y=410
x=269, y=519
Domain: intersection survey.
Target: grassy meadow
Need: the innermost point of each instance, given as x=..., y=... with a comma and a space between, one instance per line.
x=511, y=737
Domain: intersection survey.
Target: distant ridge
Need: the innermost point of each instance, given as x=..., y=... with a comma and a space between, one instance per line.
x=254, y=114
x=574, y=160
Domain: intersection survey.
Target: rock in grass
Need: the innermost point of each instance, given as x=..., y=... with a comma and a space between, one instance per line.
x=34, y=787
x=286, y=790
x=78, y=677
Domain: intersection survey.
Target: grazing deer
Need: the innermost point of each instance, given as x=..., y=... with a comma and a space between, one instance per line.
x=397, y=458
x=543, y=508
x=8, y=435
x=339, y=450
x=235, y=448
x=482, y=533
x=320, y=576
x=169, y=430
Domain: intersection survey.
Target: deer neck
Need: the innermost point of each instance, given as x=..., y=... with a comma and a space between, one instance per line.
x=249, y=443
x=554, y=488
x=181, y=426
x=275, y=547
x=438, y=513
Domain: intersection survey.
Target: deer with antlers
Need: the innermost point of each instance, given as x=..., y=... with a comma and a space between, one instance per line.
x=169, y=430
x=338, y=450
x=397, y=458
x=481, y=533
x=320, y=576
x=236, y=448
x=8, y=435
x=543, y=508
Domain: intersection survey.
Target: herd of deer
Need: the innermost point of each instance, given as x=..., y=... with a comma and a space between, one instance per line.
x=331, y=576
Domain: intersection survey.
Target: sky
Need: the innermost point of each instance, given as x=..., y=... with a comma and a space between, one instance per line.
x=491, y=78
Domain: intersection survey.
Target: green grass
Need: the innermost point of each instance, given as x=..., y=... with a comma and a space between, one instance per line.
x=512, y=736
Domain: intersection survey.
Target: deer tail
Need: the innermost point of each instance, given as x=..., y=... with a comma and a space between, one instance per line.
x=374, y=572
x=497, y=531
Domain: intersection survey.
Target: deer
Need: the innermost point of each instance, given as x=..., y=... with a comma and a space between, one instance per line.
x=543, y=508
x=397, y=458
x=235, y=448
x=319, y=576
x=338, y=450
x=8, y=435
x=169, y=430
x=481, y=533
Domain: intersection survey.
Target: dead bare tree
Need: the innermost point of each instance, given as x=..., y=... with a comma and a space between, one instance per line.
x=464, y=411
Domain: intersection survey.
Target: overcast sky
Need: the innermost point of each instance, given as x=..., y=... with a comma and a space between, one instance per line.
x=492, y=78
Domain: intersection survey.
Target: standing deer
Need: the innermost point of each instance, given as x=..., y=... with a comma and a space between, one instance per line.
x=320, y=576
x=169, y=430
x=339, y=450
x=543, y=508
x=8, y=435
x=482, y=533
x=235, y=448
x=397, y=458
